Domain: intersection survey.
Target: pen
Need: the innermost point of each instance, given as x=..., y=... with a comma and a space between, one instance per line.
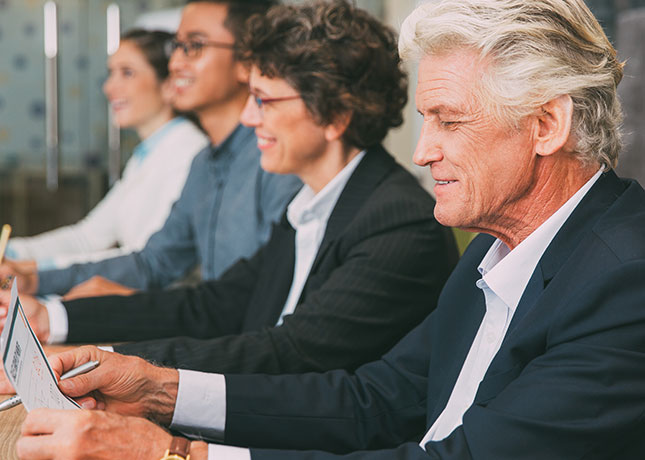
x=82, y=369
x=4, y=239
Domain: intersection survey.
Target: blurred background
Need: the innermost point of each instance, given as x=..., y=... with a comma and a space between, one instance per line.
x=58, y=151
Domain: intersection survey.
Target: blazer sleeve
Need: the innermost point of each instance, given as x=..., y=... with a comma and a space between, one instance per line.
x=581, y=397
x=211, y=309
x=382, y=287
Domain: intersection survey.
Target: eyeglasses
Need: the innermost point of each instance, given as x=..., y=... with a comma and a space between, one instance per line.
x=193, y=48
x=261, y=101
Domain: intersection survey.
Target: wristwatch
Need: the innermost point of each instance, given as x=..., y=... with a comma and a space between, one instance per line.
x=179, y=449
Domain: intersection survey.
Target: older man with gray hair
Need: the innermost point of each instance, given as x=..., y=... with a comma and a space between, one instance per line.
x=537, y=349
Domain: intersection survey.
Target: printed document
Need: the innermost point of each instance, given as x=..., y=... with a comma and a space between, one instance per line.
x=25, y=363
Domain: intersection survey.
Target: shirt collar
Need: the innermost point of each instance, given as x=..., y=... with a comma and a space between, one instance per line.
x=150, y=142
x=308, y=205
x=233, y=142
x=508, y=272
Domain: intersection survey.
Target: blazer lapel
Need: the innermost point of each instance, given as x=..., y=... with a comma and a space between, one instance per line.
x=273, y=290
x=599, y=198
x=374, y=166
x=522, y=330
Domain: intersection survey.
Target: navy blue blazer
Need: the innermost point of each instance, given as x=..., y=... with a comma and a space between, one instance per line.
x=567, y=383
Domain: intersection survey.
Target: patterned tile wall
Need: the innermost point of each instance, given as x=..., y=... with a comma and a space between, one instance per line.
x=81, y=64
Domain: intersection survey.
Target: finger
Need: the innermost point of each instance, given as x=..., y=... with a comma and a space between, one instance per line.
x=37, y=447
x=82, y=384
x=68, y=360
x=43, y=421
x=88, y=403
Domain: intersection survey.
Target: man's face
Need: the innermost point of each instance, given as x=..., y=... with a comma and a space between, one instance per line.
x=212, y=77
x=484, y=170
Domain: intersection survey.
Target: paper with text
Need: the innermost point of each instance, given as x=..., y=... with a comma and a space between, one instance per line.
x=25, y=363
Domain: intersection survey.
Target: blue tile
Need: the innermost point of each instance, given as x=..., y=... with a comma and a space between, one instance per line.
x=36, y=142
x=29, y=29
x=82, y=62
x=19, y=62
x=143, y=6
x=37, y=109
x=67, y=28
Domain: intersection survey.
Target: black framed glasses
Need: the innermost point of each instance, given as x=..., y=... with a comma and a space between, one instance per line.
x=193, y=48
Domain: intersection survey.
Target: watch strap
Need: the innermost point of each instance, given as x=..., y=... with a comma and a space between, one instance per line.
x=180, y=446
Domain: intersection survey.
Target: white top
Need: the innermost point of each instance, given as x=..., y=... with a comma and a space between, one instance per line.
x=201, y=398
x=308, y=214
x=505, y=275
x=134, y=208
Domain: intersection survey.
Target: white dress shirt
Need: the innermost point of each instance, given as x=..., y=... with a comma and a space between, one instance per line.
x=308, y=214
x=505, y=275
x=200, y=409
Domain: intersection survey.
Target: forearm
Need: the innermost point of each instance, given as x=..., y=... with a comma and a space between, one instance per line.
x=124, y=270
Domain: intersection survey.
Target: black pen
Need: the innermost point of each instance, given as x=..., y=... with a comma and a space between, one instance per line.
x=82, y=369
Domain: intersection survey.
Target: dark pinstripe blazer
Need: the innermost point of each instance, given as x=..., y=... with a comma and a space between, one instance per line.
x=381, y=265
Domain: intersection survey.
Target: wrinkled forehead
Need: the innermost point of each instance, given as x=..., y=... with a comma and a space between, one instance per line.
x=450, y=80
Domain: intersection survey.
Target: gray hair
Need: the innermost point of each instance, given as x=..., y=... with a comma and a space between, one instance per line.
x=538, y=50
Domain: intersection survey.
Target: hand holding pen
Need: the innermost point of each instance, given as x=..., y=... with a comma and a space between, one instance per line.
x=82, y=369
x=4, y=240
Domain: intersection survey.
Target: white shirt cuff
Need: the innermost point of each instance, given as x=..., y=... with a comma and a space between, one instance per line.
x=217, y=452
x=58, y=323
x=201, y=405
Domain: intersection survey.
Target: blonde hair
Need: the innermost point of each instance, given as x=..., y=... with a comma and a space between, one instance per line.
x=538, y=50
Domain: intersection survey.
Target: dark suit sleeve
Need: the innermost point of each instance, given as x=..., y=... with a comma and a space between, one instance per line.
x=211, y=309
x=581, y=397
x=379, y=288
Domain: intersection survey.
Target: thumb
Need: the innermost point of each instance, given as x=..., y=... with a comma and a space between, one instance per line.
x=78, y=386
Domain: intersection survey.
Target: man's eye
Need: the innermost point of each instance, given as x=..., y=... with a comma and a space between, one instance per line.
x=195, y=46
x=448, y=124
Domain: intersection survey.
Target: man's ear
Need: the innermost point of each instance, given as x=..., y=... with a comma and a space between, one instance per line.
x=337, y=128
x=554, y=125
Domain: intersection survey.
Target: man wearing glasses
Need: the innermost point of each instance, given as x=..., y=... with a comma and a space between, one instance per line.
x=228, y=203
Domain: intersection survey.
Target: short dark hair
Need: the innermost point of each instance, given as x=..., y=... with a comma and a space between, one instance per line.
x=152, y=44
x=339, y=58
x=239, y=11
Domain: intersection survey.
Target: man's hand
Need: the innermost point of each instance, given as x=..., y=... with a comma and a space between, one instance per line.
x=25, y=270
x=36, y=312
x=97, y=286
x=76, y=435
x=124, y=384
x=83, y=435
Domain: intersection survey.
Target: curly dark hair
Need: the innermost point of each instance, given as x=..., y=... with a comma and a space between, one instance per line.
x=339, y=58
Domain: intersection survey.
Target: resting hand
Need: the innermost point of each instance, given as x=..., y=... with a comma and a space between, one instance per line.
x=25, y=270
x=124, y=384
x=37, y=314
x=97, y=286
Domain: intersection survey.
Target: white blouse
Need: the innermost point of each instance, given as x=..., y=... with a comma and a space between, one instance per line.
x=133, y=209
